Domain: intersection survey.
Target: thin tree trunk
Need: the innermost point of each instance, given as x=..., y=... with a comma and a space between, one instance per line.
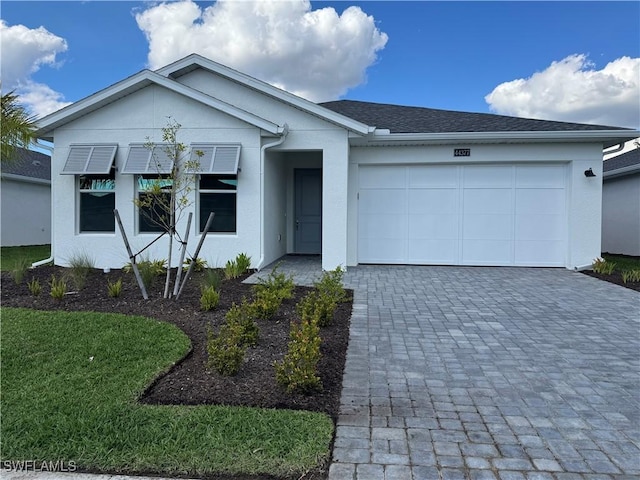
x=183, y=251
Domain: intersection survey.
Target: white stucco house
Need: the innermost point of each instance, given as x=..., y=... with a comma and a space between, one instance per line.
x=25, y=199
x=621, y=204
x=356, y=182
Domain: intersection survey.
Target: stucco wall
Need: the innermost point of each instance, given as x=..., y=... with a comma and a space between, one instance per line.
x=621, y=215
x=583, y=194
x=26, y=213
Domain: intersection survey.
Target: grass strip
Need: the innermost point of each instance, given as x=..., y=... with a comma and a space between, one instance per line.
x=70, y=381
x=10, y=257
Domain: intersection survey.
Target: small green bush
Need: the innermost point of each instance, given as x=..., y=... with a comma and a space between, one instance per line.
x=330, y=285
x=114, y=289
x=231, y=270
x=631, y=276
x=199, y=264
x=80, y=265
x=20, y=270
x=601, y=266
x=277, y=282
x=212, y=278
x=243, y=316
x=317, y=307
x=297, y=372
x=226, y=351
x=148, y=269
x=209, y=298
x=34, y=287
x=266, y=303
x=243, y=261
x=58, y=287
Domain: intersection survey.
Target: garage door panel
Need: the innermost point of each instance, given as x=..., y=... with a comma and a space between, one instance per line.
x=441, y=201
x=486, y=252
x=383, y=226
x=432, y=176
x=436, y=252
x=433, y=227
x=539, y=227
x=539, y=253
x=486, y=176
x=540, y=200
x=382, y=250
x=382, y=177
x=540, y=176
x=488, y=227
x=384, y=201
x=490, y=201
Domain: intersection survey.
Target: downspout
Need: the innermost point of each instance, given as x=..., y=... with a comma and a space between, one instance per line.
x=263, y=149
x=50, y=259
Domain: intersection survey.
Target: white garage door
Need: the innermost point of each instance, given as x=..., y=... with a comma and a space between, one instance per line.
x=462, y=215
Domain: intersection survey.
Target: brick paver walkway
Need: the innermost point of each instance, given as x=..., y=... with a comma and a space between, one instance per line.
x=487, y=373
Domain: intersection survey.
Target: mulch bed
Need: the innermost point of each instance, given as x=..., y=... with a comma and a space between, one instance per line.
x=190, y=382
x=615, y=277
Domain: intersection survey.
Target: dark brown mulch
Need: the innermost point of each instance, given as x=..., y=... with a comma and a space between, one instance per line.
x=615, y=277
x=190, y=382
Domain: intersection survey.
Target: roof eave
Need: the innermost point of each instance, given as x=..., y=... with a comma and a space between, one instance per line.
x=606, y=137
x=188, y=63
x=620, y=172
x=25, y=179
x=48, y=124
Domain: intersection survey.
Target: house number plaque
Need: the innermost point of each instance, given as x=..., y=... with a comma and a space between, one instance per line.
x=461, y=152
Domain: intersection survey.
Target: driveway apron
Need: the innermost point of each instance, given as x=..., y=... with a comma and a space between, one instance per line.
x=489, y=373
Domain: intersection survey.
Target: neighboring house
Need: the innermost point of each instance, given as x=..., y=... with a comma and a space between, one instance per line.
x=355, y=182
x=25, y=196
x=621, y=204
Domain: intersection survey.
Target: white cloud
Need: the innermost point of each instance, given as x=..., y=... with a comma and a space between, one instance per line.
x=40, y=99
x=24, y=51
x=317, y=54
x=573, y=90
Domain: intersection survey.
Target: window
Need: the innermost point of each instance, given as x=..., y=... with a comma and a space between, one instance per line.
x=97, y=199
x=152, y=215
x=218, y=195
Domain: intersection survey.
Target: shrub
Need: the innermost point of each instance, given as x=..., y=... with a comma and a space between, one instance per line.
x=209, y=298
x=212, y=278
x=80, y=265
x=243, y=316
x=58, y=288
x=20, y=270
x=114, y=289
x=297, y=372
x=199, y=264
x=231, y=270
x=601, y=266
x=243, y=263
x=277, y=282
x=149, y=270
x=266, y=303
x=317, y=307
x=226, y=352
x=631, y=276
x=34, y=287
x=330, y=285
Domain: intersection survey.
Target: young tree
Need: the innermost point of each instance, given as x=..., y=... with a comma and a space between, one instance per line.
x=166, y=197
x=16, y=126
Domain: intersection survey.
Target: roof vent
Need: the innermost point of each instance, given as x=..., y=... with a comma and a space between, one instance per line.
x=36, y=163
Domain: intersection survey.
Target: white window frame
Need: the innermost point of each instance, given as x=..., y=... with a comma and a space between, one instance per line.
x=79, y=191
x=216, y=191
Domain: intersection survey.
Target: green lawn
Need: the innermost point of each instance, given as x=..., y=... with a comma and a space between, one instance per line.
x=623, y=263
x=10, y=257
x=69, y=387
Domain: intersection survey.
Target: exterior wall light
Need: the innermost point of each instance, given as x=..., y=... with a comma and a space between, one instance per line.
x=589, y=173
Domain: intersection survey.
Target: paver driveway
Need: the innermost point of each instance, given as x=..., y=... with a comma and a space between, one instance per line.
x=489, y=373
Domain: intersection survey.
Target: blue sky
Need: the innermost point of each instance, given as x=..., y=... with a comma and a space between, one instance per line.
x=448, y=55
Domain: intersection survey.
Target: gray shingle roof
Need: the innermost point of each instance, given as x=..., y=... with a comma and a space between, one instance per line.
x=627, y=159
x=29, y=164
x=401, y=119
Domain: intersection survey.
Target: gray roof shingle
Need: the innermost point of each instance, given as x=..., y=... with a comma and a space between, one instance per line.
x=627, y=159
x=29, y=163
x=401, y=119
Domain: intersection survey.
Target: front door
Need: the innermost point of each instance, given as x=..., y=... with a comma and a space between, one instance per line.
x=308, y=210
